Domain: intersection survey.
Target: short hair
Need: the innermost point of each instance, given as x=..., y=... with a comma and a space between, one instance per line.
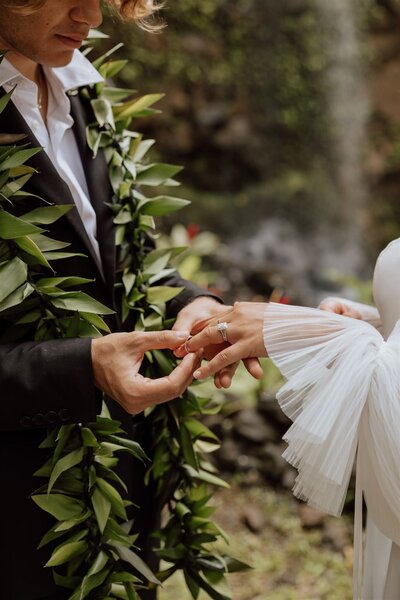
x=129, y=10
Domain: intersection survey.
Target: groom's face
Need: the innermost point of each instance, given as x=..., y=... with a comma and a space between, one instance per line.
x=49, y=34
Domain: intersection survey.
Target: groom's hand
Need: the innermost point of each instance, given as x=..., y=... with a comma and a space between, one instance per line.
x=116, y=360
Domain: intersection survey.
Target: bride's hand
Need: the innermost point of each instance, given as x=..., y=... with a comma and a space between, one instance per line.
x=340, y=307
x=244, y=341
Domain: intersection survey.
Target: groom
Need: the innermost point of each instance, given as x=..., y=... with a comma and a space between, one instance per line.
x=56, y=382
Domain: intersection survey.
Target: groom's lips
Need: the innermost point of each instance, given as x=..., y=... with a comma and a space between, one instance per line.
x=73, y=41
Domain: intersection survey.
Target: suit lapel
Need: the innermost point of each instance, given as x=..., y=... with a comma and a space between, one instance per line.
x=49, y=187
x=100, y=191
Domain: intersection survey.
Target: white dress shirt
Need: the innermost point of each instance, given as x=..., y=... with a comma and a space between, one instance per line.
x=57, y=139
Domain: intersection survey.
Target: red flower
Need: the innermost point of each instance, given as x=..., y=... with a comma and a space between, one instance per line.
x=193, y=229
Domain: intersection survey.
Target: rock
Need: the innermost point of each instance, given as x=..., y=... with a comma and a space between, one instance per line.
x=288, y=478
x=270, y=409
x=273, y=466
x=336, y=535
x=228, y=454
x=310, y=517
x=247, y=463
x=254, y=518
x=250, y=425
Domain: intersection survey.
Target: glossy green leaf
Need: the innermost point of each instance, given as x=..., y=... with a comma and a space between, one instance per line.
x=164, y=293
x=134, y=107
x=30, y=247
x=157, y=174
x=66, y=552
x=13, y=227
x=163, y=205
x=19, y=158
x=205, y=476
x=79, y=301
x=66, y=462
x=12, y=275
x=113, y=496
x=102, y=508
x=137, y=563
x=60, y=506
x=17, y=297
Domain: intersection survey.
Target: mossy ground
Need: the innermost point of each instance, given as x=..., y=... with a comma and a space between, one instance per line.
x=289, y=562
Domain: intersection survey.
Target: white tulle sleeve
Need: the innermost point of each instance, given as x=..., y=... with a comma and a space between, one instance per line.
x=329, y=362
x=369, y=313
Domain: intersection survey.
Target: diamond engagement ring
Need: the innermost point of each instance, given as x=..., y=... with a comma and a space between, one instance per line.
x=223, y=329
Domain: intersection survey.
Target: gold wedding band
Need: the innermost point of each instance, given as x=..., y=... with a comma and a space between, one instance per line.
x=185, y=344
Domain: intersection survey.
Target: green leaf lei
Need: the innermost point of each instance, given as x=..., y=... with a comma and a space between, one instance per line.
x=94, y=554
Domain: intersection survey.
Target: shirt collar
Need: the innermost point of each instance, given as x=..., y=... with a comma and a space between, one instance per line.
x=77, y=73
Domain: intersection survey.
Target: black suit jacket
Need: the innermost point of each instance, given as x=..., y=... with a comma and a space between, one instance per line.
x=51, y=383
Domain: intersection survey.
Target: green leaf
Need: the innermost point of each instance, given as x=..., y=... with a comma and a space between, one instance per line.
x=130, y=591
x=163, y=205
x=4, y=100
x=48, y=214
x=88, y=438
x=103, y=111
x=66, y=552
x=164, y=293
x=157, y=174
x=235, y=566
x=92, y=582
x=113, y=94
x=102, y=508
x=137, y=563
x=17, y=297
x=205, y=476
x=199, y=430
x=13, y=274
x=60, y=506
x=113, y=496
x=19, y=158
x=156, y=261
x=79, y=301
x=28, y=245
x=70, y=460
x=187, y=448
x=13, y=227
x=46, y=244
x=131, y=445
x=193, y=587
x=136, y=106
x=62, y=282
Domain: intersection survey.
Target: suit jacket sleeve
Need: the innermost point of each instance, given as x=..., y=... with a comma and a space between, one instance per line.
x=46, y=384
x=190, y=292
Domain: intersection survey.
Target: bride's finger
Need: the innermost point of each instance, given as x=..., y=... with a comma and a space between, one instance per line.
x=225, y=358
x=226, y=375
x=208, y=336
x=210, y=321
x=254, y=367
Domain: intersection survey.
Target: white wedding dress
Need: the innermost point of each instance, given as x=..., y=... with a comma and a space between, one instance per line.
x=343, y=396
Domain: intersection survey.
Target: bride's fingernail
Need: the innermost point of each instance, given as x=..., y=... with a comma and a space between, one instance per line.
x=197, y=374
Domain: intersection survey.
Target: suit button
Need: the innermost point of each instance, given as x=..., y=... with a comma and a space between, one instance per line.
x=25, y=421
x=64, y=415
x=38, y=419
x=51, y=417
